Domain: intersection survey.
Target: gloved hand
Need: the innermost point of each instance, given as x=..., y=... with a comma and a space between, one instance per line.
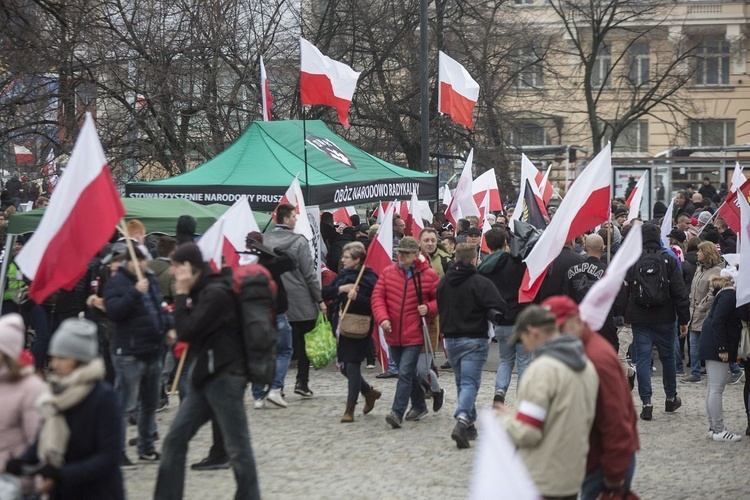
x=50, y=472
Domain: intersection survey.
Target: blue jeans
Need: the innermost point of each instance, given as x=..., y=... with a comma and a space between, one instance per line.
x=468, y=356
x=221, y=397
x=645, y=336
x=283, y=355
x=695, y=362
x=510, y=355
x=408, y=382
x=734, y=367
x=138, y=380
x=593, y=483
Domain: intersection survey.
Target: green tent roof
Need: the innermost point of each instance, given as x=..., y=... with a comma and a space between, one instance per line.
x=264, y=160
x=159, y=216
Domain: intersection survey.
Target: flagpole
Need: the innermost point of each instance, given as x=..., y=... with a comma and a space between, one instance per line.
x=304, y=145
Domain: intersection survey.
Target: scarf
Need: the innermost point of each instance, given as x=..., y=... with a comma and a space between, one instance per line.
x=63, y=394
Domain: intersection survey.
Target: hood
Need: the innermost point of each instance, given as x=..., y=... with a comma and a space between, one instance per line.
x=564, y=348
x=490, y=262
x=460, y=273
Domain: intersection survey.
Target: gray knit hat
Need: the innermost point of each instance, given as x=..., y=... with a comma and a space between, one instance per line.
x=75, y=338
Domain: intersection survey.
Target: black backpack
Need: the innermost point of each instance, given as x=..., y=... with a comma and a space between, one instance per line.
x=651, y=283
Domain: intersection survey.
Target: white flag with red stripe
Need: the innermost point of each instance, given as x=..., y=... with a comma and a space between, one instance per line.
x=742, y=283
x=545, y=186
x=528, y=173
x=635, y=198
x=50, y=171
x=458, y=92
x=738, y=178
x=343, y=215
x=293, y=196
x=447, y=196
x=380, y=256
x=666, y=224
x=462, y=204
x=415, y=217
x=228, y=234
x=596, y=305
x=325, y=81
x=497, y=463
x=585, y=206
x=484, y=209
x=487, y=183
x=80, y=219
x=265, y=93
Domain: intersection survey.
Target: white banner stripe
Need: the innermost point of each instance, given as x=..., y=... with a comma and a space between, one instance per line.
x=532, y=410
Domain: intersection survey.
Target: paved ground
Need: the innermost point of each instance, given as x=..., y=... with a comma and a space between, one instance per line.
x=304, y=452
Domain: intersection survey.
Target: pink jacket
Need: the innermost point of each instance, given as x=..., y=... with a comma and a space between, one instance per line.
x=19, y=417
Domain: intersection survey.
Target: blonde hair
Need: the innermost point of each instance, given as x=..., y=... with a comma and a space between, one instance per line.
x=711, y=256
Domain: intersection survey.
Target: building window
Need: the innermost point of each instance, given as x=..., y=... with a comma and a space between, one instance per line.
x=528, y=134
x=602, y=68
x=639, y=64
x=530, y=72
x=712, y=63
x=712, y=133
x=634, y=138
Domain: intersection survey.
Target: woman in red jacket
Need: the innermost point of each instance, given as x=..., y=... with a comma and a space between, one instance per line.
x=405, y=292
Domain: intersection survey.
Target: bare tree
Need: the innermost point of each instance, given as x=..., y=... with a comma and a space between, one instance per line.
x=614, y=42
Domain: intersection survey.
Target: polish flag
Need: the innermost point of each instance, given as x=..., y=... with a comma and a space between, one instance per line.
x=585, y=206
x=545, y=186
x=415, y=217
x=457, y=91
x=730, y=209
x=742, y=283
x=738, y=178
x=227, y=235
x=447, y=196
x=487, y=183
x=265, y=93
x=23, y=155
x=343, y=215
x=325, y=81
x=666, y=224
x=379, y=212
x=293, y=196
x=635, y=198
x=50, y=171
x=80, y=219
x=462, y=203
x=595, y=306
x=379, y=256
x=484, y=208
x=528, y=173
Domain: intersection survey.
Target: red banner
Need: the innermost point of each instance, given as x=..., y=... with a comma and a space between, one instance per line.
x=730, y=210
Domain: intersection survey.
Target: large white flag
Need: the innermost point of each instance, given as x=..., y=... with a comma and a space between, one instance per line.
x=743, y=278
x=597, y=303
x=666, y=225
x=462, y=204
x=227, y=235
x=636, y=196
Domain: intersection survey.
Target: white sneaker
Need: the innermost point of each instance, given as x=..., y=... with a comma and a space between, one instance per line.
x=726, y=436
x=259, y=404
x=710, y=434
x=274, y=396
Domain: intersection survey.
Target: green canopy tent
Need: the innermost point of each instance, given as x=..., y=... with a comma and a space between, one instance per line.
x=264, y=160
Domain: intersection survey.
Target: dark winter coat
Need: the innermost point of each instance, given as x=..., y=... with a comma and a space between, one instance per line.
x=464, y=298
x=722, y=327
x=92, y=459
x=506, y=273
x=139, y=318
x=209, y=319
x=351, y=350
x=557, y=274
x=395, y=299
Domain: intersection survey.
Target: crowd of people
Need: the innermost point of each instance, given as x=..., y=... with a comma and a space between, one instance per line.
x=157, y=315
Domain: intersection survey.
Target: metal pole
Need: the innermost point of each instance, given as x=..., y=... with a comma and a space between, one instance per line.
x=304, y=145
x=424, y=75
x=567, y=168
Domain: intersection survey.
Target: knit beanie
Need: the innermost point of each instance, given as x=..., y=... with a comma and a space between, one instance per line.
x=12, y=333
x=75, y=338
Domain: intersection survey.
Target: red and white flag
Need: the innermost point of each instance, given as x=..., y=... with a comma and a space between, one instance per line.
x=265, y=93
x=80, y=219
x=635, y=198
x=666, y=224
x=545, y=186
x=462, y=204
x=447, y=196
x=415, y=217
x=325, y=81
x=293, y=196
x=50, y=171
x=458, y=92
x=227, y=235
x=487, y=183
x=738, y=178
x=742, y=282
x=343, y=215
x=484, y=209
x=23, y=155
x=596, y=305
x=528, y=173
x=585, y=206
x=380, y=256
x=379, y=212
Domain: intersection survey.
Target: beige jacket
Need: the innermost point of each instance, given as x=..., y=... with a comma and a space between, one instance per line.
x=701, y=297
x=557, y=402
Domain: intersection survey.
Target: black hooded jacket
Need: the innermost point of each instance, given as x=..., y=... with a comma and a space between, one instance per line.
x=464, y=298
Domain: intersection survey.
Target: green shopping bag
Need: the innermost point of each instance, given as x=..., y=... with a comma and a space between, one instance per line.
x=320, y=344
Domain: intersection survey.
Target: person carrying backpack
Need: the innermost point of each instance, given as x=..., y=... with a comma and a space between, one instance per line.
x=657, y=297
